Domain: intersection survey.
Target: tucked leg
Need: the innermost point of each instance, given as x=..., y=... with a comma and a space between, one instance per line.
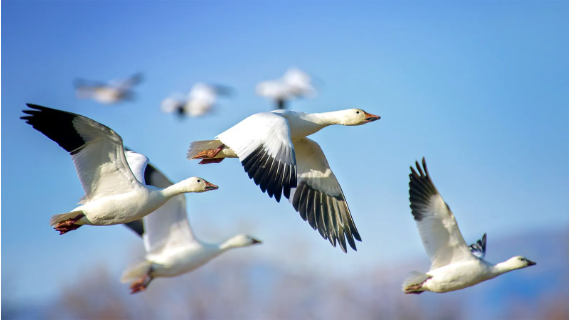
x=208, y=154
x=69, y=224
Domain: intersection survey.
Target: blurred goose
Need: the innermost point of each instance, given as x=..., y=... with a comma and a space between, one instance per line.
x=107, y=93
x=294, y=84
x=200, y=100
x=275, y=153
x=112, y=193
x=171, y=247
x=454, y=265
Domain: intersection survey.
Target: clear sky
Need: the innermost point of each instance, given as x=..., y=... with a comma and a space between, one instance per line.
x=480, y=88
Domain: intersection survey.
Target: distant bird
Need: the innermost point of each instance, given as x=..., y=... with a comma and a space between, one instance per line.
x=107, y=93
x=454, y=265
x=201, y=99
x=294, y=84
x=112, y=193
x=172, y=248
x=275, y=153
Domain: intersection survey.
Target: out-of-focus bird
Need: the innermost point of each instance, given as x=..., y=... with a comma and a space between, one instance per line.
x=107, y=93
x=171, y=246
x=275, y=153
x=454, y=265
x=294, y=84
x=200, y=100
x=113, y=195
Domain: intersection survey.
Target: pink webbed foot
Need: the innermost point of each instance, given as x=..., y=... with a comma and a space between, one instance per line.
x=68, y=225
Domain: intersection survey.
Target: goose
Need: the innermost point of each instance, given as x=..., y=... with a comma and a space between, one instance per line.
x=200, y=100
x=171, y=247
x=275, y=153
x=454, y=265
x=112, y=193
x=295, y=83
x=107, y=93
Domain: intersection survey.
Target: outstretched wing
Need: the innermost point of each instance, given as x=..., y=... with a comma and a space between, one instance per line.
x=319, y=198
x=479, y=248
x=438, y=229
x=96, y=150
x=263, y=145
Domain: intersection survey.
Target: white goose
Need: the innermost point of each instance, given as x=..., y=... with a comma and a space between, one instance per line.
x=201, y=99
x=112, y=193
x=454, y=265
x=294, y=84
x=107, y=93
x=171, y=247
x=274, y=151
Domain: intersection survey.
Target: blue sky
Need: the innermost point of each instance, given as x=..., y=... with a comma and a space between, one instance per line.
x=479, y=88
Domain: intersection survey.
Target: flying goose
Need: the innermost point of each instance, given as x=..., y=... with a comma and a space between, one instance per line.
x=201, y=99
x=107, y=93
x=294, y=84
x=171, y=246
x=275, y=153
x=454, y=265
x=112, y=193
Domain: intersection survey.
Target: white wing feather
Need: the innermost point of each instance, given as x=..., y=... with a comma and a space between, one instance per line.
x=436, y=223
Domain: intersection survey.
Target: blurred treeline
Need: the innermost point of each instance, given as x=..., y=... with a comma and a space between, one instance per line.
x=238, y=286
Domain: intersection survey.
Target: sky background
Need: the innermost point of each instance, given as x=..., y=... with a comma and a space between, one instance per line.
x=479, y=88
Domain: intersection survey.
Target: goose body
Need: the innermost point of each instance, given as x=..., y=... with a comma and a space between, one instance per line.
x=294, y=84
x=107, y=93
x=200, y=101
x=274, y=151
x=455, y=265
x=172, y=249
x=113, y=195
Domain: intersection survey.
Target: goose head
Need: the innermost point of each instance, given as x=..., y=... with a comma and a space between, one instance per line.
x=196, y=184
x=240, y=240
x=518, y=262
x=356, y=117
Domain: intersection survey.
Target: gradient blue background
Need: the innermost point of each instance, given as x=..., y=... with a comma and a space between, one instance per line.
x=479, y=88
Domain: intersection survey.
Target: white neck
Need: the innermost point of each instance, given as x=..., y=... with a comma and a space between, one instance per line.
x=500, y=268
x=229, y=244
x=172, y=191
x=326, y=118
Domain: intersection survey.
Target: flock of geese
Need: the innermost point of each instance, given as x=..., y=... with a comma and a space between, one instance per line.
x=121, y=187
x=202, y=98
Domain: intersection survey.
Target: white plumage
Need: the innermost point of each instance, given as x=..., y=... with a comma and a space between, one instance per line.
x=200, y=100
x=454, y=265
x=274, y=151
x=294, y=84
x=107, y=93
x=171, y=247
x=113, y=195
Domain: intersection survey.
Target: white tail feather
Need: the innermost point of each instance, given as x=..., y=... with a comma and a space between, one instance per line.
x=62, y=217
x=136, y=272
x=414, y=278
x=199, y=146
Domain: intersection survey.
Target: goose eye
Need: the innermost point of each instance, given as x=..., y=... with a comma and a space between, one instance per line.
x=357, y=112
x=198, y=180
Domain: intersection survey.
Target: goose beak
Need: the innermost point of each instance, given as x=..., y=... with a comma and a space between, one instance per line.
x=370, y=117
x=255, y=241
x=210, y=186
x=531, y=263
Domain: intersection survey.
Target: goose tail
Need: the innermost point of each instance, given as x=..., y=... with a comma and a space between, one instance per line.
x=136, y=271
x=414, y=281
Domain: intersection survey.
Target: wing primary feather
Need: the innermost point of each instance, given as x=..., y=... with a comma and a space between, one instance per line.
x=56, y=125
x=311, y=208
x=301, y=203
x=321, y=212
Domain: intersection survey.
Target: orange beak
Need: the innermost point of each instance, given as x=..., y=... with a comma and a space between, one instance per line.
x=370, y=117
x=210, y=186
